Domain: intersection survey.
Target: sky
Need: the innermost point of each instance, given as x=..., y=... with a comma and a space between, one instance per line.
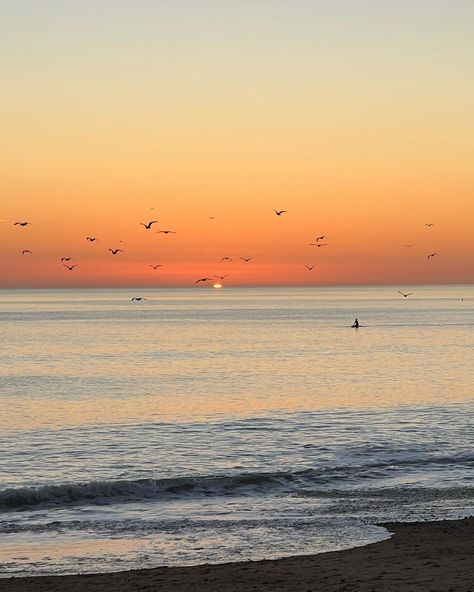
x=355, y=116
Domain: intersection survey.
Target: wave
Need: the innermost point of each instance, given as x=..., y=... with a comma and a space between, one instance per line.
x=326, y=480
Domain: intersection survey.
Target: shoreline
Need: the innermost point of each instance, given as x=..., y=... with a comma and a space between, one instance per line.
x=420, y=556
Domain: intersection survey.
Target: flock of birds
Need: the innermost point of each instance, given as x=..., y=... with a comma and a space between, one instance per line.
x=65, y=261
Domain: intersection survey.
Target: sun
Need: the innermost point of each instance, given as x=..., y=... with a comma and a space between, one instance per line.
x=217, y=286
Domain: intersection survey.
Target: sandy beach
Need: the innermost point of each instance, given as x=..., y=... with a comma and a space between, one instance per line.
x=426, y=556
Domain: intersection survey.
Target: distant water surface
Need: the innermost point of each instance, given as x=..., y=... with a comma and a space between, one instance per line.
x=219, y=425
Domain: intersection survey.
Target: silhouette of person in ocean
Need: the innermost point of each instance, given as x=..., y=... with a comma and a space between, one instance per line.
x=355, y=324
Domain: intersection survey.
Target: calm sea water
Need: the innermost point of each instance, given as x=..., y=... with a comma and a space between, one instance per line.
x=220, y=425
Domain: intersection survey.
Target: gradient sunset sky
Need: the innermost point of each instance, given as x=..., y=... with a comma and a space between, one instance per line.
x=356, y=116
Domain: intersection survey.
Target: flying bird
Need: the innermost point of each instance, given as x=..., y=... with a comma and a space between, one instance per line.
x=408, y=246
x=405, y=295
x=206, y=279
x=21, y=223
x=65, y=258
x=138, y=298
x=221, y=277
x=166, y=232
x=226, y=259
x=431, y=255
x=318, y=238
x=246, y=259
x=70, y=267
x=149, y=224
x=310, y=267
x=280, y=212
x=26, y=252
x=156, y=266
x=91, y=238
x=429, y=225
x=115, y=251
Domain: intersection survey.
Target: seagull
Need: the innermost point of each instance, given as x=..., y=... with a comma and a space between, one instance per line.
x=310, y=267
x=138, y=298
x=166, y=232
x=405, y=295
x=21, y=223
x=149, y=225
x=206, y=279
x=280, y=212
x=431, y=255
x=429, y=225
x=115, y=251
x=246, y=259
x=318, y=238
x=26, y=252
x=70, y=267
x=65, y=259
x=221, y=277
x=91, y=238
x=226, y=259
x=156, y=266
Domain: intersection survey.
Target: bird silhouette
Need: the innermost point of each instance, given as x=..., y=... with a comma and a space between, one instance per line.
x=318, y=238
x=115, y=251
x=405, y=295
x=226, y=259
x=166, y=232
x=65, y=258
x=310, y=267
x=91, y=238
x=26, y=252
x=149, y=224
x=429, y=225
x=431, y=255
x=221, y=277
x=138, y=298
x=205, y=279
x=70, y=267
x=280, y=212
x=21, y=223
x=246, y=259
x=156, y=266
x=408, y=246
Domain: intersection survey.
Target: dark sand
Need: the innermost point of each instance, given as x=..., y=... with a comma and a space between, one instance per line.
x=424, y=556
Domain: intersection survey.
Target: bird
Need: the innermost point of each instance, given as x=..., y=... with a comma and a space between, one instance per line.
x=91, y=238
x=65, y=258
x=138, y=298
x=21, y=223
x=205, y=279
x=166, y=232
x=431, y=255
x=405, y=295
x=318, y=238
x=156, y=266
x=26, y=252
x=221, y=277
x=70, y=267
x=310, y=267
x=246, y=259
x=149, y=224
x=115, y=251
x=429, y=225
x=226, y=259
x=408, y=246
x=280, y=212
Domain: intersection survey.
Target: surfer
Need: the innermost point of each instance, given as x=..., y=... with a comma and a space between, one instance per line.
x=355, y=324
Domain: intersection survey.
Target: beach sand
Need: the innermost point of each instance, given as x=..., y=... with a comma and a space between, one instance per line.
x=423, y=556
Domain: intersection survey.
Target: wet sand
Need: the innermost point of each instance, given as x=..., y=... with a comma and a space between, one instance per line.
x=423, y=556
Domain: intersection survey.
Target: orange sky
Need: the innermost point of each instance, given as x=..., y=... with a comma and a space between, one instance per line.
x=359, y=122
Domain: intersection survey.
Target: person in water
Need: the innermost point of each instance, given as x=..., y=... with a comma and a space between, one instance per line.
x=355, y=324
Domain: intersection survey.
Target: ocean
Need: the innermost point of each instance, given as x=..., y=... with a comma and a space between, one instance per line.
x=213, y=425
